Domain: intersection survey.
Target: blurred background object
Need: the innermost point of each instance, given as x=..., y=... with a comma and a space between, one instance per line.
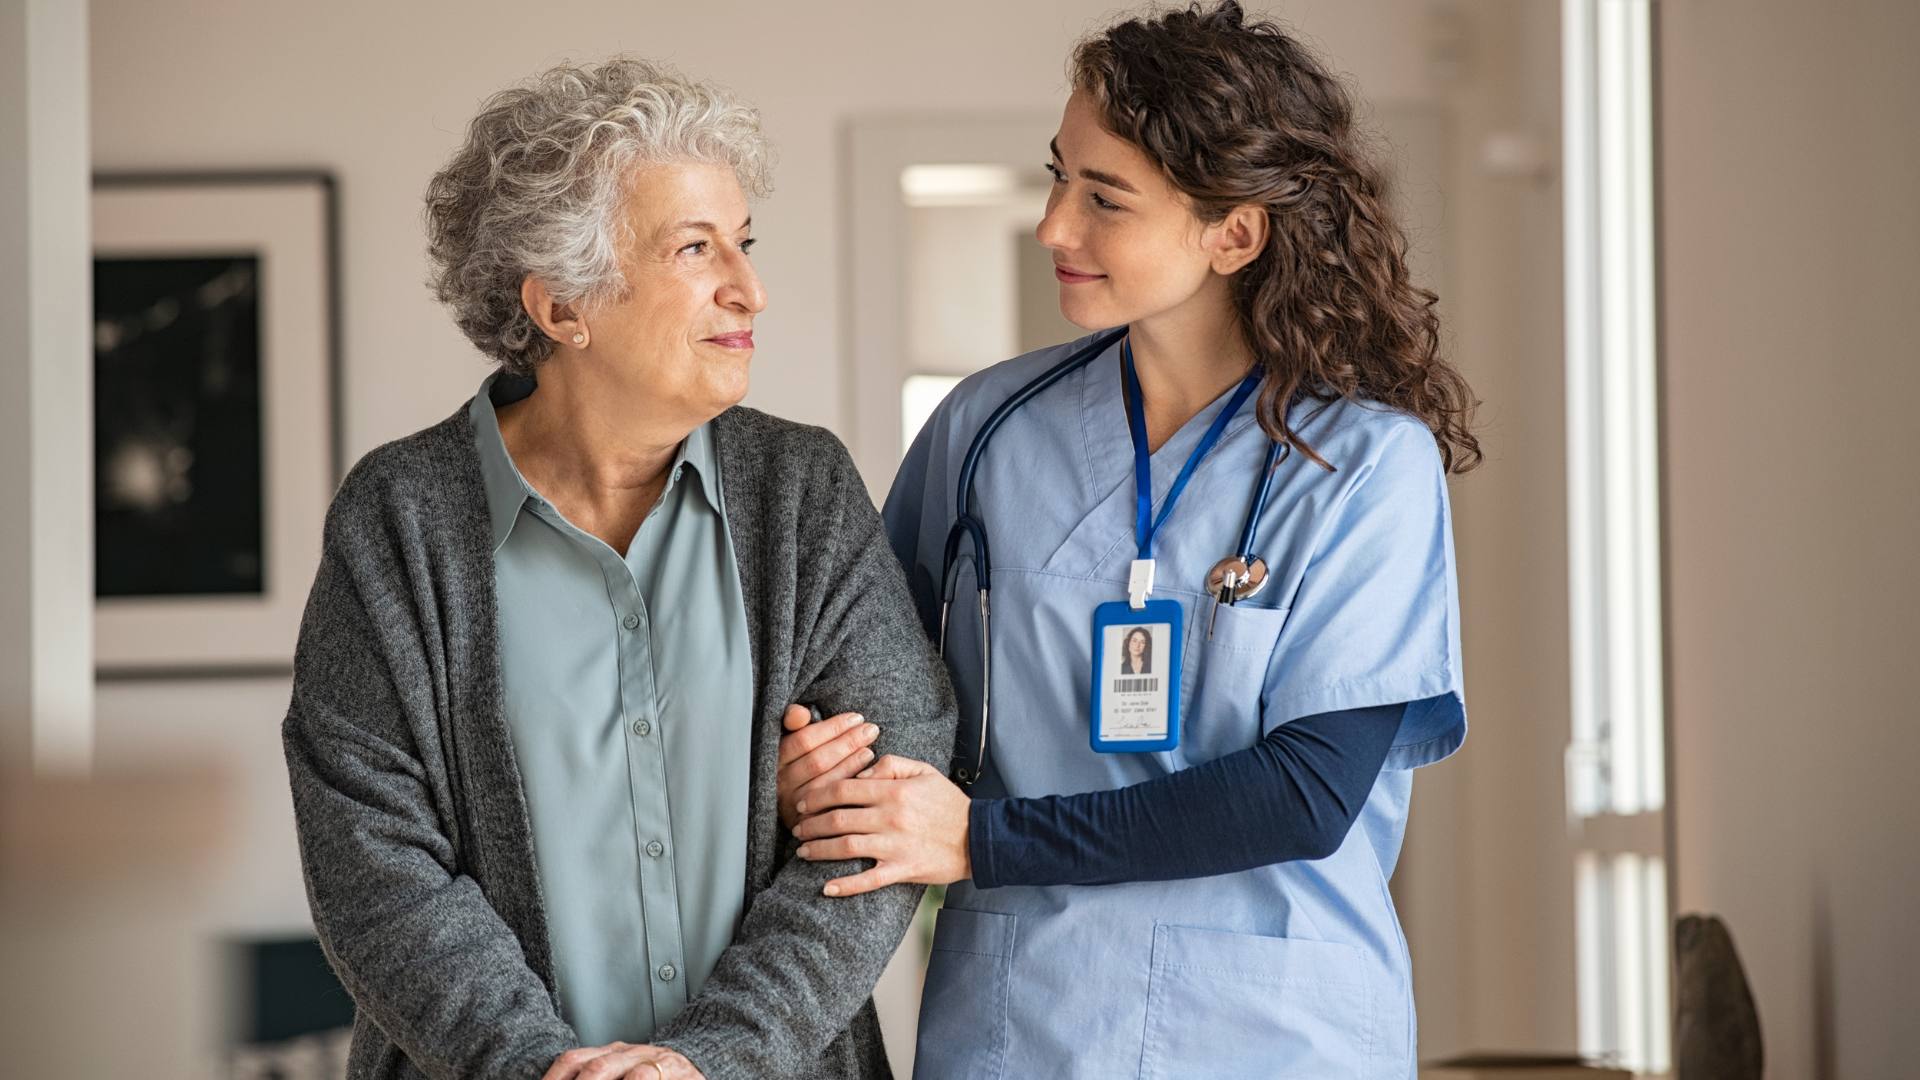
x=295, y=1020
x=104, y=886
x=1512, y=1066
x=1716, y=1032
x=216, y=427
x=1674, y=242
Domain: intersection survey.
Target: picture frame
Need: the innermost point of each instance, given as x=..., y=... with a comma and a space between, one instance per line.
x=217, y=417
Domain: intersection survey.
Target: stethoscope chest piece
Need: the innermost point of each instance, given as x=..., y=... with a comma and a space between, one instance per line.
x=1234, y=579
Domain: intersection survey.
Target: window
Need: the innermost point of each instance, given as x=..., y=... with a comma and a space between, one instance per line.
x=978, y=287
x=1616, y=767
x=919, y=396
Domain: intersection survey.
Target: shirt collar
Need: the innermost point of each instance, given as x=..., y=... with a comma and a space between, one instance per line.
x=697, y=452
x=508, y=491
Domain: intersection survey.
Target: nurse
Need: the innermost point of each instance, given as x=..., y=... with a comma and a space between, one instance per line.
x=1168, y=852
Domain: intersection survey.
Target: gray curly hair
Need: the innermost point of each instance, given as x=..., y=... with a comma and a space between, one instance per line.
x=538, y=188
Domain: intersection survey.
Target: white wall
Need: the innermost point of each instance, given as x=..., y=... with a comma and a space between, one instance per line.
x=46, y=446
x=232, y=727
x=1791, y=165
x=379, y=93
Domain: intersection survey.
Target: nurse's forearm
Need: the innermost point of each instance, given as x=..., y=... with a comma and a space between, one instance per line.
x=1293, y=795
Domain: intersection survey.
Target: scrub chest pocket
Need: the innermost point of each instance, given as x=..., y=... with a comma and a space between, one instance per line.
x=1226, y=678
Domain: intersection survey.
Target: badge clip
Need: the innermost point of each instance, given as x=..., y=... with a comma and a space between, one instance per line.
x=1140, y=583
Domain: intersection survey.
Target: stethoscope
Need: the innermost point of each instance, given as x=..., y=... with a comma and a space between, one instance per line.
x=1233, y=579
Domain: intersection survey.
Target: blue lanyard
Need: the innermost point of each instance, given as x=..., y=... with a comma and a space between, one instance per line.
x=1145, y=524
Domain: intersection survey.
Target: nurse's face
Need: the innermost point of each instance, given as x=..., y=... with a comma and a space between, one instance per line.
x=1126, y=244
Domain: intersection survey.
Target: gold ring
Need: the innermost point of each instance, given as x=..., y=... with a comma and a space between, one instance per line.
x=657, y=1070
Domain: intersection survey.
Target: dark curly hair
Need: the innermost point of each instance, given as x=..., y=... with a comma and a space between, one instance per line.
x=1236, y=112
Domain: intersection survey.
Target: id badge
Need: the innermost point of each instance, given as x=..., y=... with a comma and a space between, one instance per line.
x=1136, y=676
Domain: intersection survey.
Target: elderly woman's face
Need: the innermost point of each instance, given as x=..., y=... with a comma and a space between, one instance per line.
x=685, y=326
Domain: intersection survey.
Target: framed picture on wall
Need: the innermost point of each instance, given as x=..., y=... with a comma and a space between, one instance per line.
x=216, y=415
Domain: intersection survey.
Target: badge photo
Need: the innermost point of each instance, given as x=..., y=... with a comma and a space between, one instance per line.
x=1136, y=677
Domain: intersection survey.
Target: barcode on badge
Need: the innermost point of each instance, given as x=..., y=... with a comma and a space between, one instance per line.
x=1137, y=686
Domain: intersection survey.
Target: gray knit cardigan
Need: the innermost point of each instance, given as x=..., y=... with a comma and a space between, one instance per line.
x=413, y=826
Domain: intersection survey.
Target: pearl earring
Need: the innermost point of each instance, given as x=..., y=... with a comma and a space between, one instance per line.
x=579, y=339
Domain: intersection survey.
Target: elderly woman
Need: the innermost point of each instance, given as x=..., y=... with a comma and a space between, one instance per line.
x=538, y=694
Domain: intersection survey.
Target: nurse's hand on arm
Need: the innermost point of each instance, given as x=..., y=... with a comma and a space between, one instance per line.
x=903, y=814
x=1293, y=795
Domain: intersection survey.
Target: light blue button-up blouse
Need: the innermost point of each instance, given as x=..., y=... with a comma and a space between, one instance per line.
x=628, y=686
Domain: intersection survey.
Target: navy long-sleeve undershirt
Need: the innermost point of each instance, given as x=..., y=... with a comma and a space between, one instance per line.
x=1293, y=795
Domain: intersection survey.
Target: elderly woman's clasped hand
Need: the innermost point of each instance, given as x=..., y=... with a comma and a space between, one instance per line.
x=621, y=1061
x=903, y=814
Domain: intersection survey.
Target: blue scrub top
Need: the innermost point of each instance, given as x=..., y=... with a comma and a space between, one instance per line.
x=1292, y=970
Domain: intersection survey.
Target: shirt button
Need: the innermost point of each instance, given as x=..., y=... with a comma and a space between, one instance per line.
x=642, y=728
x=667, y=973
x=656, y=849
x=630, y=621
